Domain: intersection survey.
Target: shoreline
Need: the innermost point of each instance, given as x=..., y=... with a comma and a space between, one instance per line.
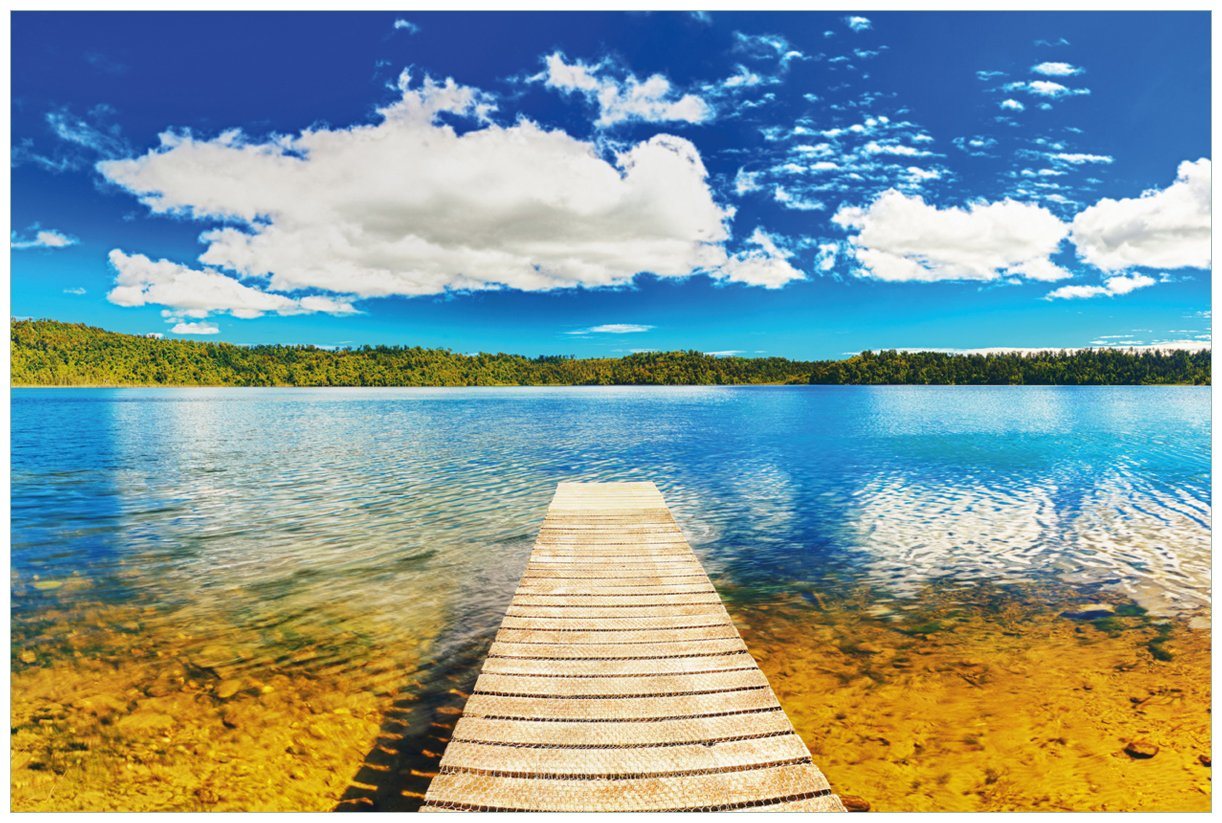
x=637, y=386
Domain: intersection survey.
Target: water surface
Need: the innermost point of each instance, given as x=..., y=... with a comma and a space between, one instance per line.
x=276, y=598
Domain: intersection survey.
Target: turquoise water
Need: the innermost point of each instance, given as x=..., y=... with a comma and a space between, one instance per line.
x=170, y=496
x=374, y=537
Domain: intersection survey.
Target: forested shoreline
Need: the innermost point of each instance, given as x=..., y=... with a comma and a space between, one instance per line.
x=52, y=353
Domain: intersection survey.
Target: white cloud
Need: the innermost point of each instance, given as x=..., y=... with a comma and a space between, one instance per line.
x=796, y=202
x=194, y=328
x=1077, y=159
x=409, y=206
x=902, y=238
x=767, y=47
x=746, y=181
x=976, y=146
x=42, y=239
x=613, y=328
x=744, y=78
x=1011, y=105
x=858, y=23
x=78, y=291
x=1112, y=287
x=765, y=265
x=1163, y=228
x=623, y=100
x=406, y=25
x=72, y=129
x=1044, y=88
x=725, y=353
x=919, y=174
x=826, y=256
x=898, y=150
x=188, y=292
x=1052, y=69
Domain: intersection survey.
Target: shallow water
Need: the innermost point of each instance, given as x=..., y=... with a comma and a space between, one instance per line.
x=276, y=599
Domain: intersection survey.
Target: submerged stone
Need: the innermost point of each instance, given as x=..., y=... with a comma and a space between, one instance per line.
x=228, y=688
x=1141, y=749
x=1092, y=611
x=141, y=720
x=853, y=803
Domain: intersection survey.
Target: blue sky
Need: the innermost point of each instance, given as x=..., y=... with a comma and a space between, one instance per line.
x=804, y=185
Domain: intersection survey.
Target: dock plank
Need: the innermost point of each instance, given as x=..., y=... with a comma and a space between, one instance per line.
x=618, y=682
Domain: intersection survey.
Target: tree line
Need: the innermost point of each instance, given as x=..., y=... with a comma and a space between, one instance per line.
x=1082, y=367
x=51, y=353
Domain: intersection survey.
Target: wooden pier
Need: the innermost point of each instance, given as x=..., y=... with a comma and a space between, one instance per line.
x=617, y=682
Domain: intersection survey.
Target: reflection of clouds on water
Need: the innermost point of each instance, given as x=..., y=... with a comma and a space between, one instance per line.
x=914, y=532
x=387, y=512
x=1150, y=543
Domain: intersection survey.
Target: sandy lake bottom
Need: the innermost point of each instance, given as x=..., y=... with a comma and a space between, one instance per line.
x=970, y=706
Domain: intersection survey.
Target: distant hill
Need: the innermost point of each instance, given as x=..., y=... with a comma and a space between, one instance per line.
x=51, y=353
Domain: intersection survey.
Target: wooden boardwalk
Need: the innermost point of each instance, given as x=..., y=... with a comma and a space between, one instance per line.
x=617, y=682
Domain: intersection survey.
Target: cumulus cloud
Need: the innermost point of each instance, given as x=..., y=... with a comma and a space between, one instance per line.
x=1112, y=287
x=1011, y=105
x=42, y=239
x=765, y=264
x=902, y=238
x=410, y=206
x=406, y=25
x=613, y=328
x=1163, y=228
x=625, y=99
x=1053, y=69
x=188, y=292
x=858, y=23
x=194, y=328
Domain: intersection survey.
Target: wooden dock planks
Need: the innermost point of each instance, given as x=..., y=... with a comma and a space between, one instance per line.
x=617, y=682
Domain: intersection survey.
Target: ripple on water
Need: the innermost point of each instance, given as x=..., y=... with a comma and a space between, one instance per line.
x=354, y=550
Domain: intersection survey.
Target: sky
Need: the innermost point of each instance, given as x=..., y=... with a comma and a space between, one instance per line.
x=805, y=185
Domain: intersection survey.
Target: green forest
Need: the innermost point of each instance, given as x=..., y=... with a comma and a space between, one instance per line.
x=51, y=353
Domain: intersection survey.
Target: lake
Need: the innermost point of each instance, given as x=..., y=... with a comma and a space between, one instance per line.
x=277, y=598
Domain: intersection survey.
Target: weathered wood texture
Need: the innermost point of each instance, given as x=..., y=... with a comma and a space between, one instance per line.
x=617, y=682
